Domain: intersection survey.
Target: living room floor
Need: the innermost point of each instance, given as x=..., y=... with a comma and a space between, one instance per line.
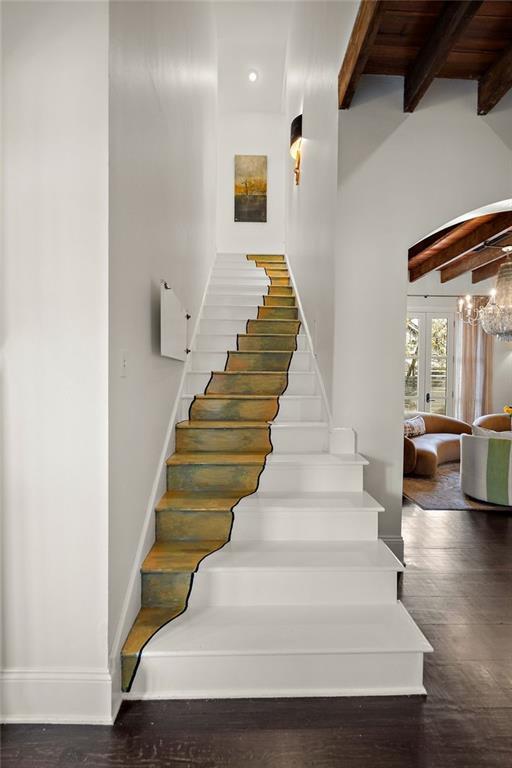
x=458, y=587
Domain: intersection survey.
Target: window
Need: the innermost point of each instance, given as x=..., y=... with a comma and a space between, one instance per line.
x=429, y=362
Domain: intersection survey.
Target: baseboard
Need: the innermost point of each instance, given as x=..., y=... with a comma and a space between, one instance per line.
x=56, y=696
x=396, y=545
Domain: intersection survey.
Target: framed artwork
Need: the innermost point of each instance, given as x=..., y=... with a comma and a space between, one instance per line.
x=251, y=188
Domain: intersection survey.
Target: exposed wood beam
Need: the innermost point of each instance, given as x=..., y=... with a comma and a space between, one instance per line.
x=488, y=270
x=358, y=49
x=428, y=242
x=489, y=226
x=426, y=248
x=495, y=83
x=452, y=21
x=470, y=261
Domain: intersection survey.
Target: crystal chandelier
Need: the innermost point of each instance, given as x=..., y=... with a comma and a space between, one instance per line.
x=496, y=316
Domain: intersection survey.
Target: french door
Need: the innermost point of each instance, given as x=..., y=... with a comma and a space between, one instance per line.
x=429, y=362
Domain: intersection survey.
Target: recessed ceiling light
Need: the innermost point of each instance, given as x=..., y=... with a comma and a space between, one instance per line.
x=253, y=75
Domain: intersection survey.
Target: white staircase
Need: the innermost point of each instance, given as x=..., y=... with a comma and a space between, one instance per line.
x=302, y=600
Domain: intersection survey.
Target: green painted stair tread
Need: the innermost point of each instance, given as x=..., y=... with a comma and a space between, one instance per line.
x=258, y=360
x=195, y=501
x=222, y=425
x=222, y=396
x=280, y=290
x=216, y=459
x=178, y=556
x=148, y=621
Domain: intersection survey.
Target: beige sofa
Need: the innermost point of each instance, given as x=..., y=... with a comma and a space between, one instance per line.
x=498, y=422
x=440, y=444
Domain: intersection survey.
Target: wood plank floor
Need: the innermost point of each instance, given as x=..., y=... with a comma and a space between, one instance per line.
x=457, y=585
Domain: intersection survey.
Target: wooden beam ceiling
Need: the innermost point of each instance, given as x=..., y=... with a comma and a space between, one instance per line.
x=488, y=270
x=424, y=39
x=358, y=50
x=451, y=23
x=472, y=260
x=466, y=237
x=495, y=83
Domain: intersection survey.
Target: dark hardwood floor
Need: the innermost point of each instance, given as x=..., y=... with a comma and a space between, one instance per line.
x=458, y=587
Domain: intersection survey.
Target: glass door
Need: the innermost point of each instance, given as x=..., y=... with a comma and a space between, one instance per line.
x=429, y=362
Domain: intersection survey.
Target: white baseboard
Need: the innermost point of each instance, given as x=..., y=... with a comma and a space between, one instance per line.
x=56, y=696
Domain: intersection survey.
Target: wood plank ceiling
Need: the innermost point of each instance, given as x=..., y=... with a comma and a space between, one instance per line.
x=473, y=245
x=424, y=39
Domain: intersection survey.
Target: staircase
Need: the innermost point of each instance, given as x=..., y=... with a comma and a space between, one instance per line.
x=266, y=577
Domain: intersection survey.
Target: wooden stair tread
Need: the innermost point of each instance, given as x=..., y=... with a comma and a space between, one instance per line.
x=205, y=424
x=221, y=396
x=216, y=458
x=249, y=373
x=148, y=621
x=178, y=555
x=195, y=501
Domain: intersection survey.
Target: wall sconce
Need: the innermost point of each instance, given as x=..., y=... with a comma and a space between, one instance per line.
x=295, y=145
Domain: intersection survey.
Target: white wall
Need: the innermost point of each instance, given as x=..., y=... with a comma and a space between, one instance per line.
x=400, y=177
x=55, y=365
x=162, y=226
x=318, y=37
x=251, y=133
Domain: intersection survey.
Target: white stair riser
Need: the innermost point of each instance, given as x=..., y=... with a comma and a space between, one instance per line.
x=249, y=272
x=298, y=383
x=305, y=525
x=215, y=361
x=253, y=290
x=238, y=282
x=223, y=326
x=210, y=343
x=229, y=313
x=244, y=587
x=232, y=299
x=270, y=675
x=299, y=409
x=221, y=343
x=300, y=439
x=291, y=478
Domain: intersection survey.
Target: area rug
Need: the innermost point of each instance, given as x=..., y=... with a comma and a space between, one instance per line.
x=443, y=492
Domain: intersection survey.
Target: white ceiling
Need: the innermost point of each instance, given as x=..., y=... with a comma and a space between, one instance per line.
x=252, y=35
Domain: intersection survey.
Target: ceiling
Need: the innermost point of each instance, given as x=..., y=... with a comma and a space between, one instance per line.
x=424, y=39
x=252, y=36
x=473, y=245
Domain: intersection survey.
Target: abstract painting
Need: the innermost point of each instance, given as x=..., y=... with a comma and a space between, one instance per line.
x=251, y=188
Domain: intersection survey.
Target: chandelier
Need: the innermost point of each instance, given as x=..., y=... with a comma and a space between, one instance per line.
x=496, y=317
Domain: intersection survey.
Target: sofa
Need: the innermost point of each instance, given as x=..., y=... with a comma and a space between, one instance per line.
x=439, y=445
x=486, y=468
x=499, y=422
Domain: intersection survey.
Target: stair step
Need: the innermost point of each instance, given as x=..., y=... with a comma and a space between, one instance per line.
x=243, y=436
x=252, y=383
x=232, y=407
x=278, y=313
x=300, y=436
x=275, y=290
x=269, y=651
x=233, y=312
x=271, y=341
x=251, y=360
x=297, y=573
x=279, y=301
x=266, y=257
x=273, y=326
x=312, y=472
x=217, y=472
x=306, y=517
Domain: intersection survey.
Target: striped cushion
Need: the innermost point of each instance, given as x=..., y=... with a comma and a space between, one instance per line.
x=486, y=469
